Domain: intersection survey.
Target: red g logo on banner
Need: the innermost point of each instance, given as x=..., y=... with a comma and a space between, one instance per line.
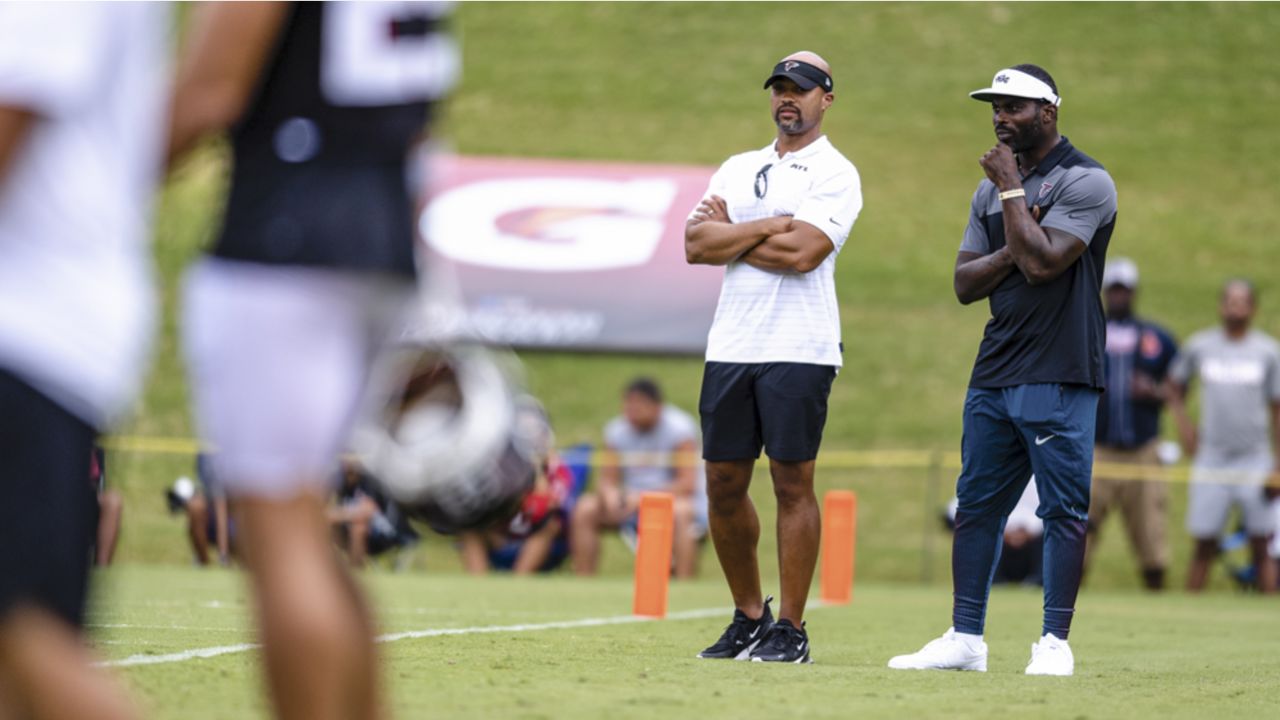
x=572, y=254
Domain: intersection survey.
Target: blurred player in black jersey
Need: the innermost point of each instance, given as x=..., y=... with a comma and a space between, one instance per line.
x=312, y=269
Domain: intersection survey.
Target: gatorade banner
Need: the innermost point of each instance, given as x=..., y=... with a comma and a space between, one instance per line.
x=568, y=255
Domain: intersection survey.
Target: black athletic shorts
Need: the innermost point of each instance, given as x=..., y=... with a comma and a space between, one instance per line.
x=49, y=509
x=780, y=406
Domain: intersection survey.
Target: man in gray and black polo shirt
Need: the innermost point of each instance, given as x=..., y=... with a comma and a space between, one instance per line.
x=1035, y=247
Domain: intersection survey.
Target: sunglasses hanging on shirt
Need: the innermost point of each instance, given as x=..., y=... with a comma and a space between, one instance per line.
x=762, y=181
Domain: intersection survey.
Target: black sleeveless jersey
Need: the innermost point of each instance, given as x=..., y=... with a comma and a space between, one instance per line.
x=321, y=174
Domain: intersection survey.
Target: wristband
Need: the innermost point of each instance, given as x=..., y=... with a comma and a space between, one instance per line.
x=1010, y=194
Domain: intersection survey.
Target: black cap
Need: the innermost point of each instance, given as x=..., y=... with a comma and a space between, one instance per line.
x=806, y=76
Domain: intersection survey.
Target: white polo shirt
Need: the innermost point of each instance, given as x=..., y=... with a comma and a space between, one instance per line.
x=75, y=290
x=767, y=316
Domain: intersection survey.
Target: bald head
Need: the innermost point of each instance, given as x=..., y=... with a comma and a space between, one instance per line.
x=1241, y=286
x=1237, y=304
x=812, y=58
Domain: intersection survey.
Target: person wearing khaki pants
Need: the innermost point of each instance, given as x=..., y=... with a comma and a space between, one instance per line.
x=1121, y=481
x=1138, y=356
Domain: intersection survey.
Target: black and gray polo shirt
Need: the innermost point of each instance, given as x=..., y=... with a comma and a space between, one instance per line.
x=1055, y=332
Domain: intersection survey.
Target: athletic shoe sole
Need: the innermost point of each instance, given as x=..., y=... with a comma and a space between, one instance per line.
x=1069, y=673
x=806, y=660
x=968, y=668
x=740, y=656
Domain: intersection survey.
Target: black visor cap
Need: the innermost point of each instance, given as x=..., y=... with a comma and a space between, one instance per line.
x=806, y=76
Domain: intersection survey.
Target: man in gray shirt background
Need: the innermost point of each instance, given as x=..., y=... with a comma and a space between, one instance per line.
x=652, y=446
x=1239, y=433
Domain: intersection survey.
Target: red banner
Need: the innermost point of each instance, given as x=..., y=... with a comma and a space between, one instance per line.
x=570, y=255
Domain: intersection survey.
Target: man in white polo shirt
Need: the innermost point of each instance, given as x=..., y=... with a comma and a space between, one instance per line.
x=775, y=218
x=82, y=91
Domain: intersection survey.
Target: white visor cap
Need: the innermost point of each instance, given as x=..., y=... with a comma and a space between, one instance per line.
x=1120, y=271
x=1015, y=83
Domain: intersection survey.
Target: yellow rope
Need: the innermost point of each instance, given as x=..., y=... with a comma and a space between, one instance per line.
x=827, y=459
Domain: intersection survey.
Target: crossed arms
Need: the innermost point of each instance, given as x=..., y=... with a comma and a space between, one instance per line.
x=1040, y=254
x=776, y=244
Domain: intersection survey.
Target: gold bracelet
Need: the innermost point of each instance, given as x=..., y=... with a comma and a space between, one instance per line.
x=1010, y=194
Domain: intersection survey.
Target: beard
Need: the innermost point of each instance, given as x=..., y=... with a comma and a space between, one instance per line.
x=1028, y=137
x=790, y=127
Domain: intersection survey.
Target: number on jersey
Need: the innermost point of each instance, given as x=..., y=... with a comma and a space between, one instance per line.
x=386, y=53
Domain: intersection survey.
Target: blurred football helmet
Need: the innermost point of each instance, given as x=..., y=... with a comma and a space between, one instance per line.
x=450, y=436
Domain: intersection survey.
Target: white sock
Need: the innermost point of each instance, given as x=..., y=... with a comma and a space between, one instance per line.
x=973, y=642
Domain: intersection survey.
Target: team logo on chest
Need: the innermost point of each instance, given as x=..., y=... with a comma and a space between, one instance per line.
x=1150, y=345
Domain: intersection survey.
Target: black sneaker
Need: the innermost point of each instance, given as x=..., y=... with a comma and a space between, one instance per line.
x=783, y=643
x=742, y=635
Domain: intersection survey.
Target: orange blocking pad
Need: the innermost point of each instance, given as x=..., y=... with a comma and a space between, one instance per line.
x=653, y=554
x=839, y=538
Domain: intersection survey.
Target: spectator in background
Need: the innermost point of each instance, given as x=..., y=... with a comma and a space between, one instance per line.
x=1273, y=548
x=536, y=539
x=652, y=446
x=1022, y=551
x=1022, y=557
x=1239, y=371
x=110, y=509
x=365, y=521
x=1138, y=356
x=205, y=507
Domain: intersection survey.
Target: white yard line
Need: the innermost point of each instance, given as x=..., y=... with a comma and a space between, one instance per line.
x=561, y=625
x=179, y=656
x=131, y=626
x=211, y=652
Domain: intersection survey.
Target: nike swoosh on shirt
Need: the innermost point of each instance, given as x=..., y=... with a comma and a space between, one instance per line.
x=833, y=222
x=1043, y=440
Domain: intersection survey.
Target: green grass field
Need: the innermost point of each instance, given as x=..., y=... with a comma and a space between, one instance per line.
x=1129, y=661
x=1178, y=100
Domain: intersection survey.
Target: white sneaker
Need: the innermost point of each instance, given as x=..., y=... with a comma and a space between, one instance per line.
x=1051, y=656
x=948, y=652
